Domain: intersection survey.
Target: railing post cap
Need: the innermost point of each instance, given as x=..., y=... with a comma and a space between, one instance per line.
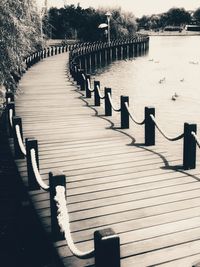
x=104, y=233
x=56, y=172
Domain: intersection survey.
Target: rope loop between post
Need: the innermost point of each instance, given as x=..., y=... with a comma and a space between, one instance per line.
x=89, y=87
x=112, y=104
x=11, y=116
x=36, y=171
x=99, y=93
x=83, y=76
x=131, y=116
x=196, y=139
x=163, y=134
x=19, y=139
x=63, y=221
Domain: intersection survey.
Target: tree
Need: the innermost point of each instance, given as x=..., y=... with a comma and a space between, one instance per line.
x=20, y=35
x=74, y=21
x=178, y=16
x=196, y=15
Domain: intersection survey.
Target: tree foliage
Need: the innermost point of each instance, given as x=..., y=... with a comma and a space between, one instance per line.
x=19, y=35
x=196, y=15
x=74, y=21
x=173, y=17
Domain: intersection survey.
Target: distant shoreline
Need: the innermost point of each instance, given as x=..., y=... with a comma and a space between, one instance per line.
x=170, y=33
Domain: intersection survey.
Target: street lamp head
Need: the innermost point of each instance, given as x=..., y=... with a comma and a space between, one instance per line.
x=108, y=14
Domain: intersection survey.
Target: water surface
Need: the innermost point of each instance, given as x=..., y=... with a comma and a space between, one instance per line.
x=172, y=66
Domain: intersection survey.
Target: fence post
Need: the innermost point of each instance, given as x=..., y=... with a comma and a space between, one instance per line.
x=124, y=112
x=56, y=178
x=10, y=105
x=87, y=90
x=108, y=107
x=18, y=153
x=107, y=248
x=149, y=127
x=97, y=100
x=189, y=147
x=9, y=95
x=82, y=81
x=32, y=182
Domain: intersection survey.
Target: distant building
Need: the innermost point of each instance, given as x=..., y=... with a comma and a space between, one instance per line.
x=194, y=28
x=173, y=28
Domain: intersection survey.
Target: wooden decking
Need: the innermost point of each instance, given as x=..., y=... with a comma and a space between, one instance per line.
x=140, y=192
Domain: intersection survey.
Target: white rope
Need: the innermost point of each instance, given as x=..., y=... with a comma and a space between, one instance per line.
x=36, y=171
x=131, y=116
x=89, y=87
x=83, y=76
x=168, y=138
x=196, y=139
x=19, y=138
x=112, y=104
x=63, y=221
x=11, y=116
x=100, y=95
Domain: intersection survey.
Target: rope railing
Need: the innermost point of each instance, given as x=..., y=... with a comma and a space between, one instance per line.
x=38, y=177
x=131, y=116
x=89, y=86
x=19, y=138
x=112, y=104
x=196, y=138
x=163, y=134
x=63, y=221
x=99, y=93
x=11, y=117
x=83, y=75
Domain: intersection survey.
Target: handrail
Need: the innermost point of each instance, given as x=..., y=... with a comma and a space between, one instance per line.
x=36, y=171
x=19, y=138
x=131, y=116
x=112, y=104
x=168, y=138
x=63, y=221
x=196, y=139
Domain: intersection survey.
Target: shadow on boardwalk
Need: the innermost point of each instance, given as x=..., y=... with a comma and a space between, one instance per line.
x=22, y=240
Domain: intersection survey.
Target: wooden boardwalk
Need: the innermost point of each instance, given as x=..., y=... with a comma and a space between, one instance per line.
x=138, y=191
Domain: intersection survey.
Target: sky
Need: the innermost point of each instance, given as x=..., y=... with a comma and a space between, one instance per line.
x=137, y=7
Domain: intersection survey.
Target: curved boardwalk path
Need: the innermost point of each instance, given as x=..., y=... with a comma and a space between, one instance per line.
x=137, y=191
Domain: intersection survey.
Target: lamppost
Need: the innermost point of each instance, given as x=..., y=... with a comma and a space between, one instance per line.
x=108, y=15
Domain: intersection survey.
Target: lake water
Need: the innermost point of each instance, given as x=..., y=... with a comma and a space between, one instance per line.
x=174, y=60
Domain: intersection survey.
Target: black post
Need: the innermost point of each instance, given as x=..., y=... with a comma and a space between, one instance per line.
x=107, y=248
x=149, y=126
x=55, y=179
x=10, y=106
x=9, y=95
x=32, y=182
x=189, y=147
x=124, y=112
x=79, y=76
x=108, y=107
x=17, y=149
x=87, y=90
x=83, y=81
x=97, y=99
